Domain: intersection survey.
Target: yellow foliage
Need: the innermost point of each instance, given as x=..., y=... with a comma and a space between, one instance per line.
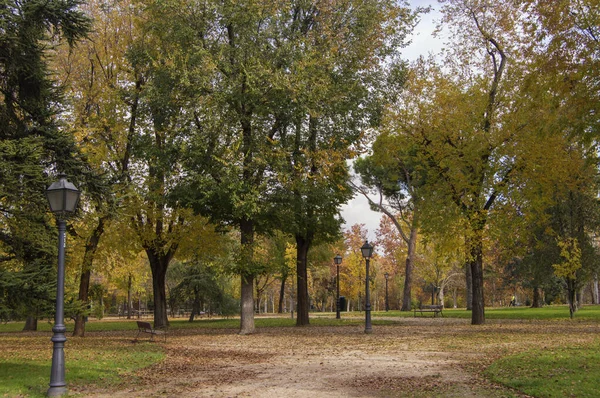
x=570, y=252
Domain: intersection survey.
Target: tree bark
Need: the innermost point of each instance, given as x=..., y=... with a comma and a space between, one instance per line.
x=159, y=262
x=302, y=246
x=571, y=296
x=84, y=288
x=475, y=244
x=469, y=286
x=30, y=324
x=129, y=309
x=537, y=298
x=412, y=244
x=91, y=247
x=281, y=294
x=247, y=278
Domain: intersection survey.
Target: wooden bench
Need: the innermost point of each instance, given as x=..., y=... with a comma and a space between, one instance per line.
x=436, y=309
x=146, y=327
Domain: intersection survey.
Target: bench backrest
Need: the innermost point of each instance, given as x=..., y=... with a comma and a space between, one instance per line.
x=144, y=325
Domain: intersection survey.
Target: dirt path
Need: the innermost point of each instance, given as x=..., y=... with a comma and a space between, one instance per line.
x=416, y=357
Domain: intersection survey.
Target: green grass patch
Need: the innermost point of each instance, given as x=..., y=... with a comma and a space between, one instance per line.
x=552, y=312
x=554, y=372
x=25, y=363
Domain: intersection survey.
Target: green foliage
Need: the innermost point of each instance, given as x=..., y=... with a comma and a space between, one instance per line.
x=31, y=145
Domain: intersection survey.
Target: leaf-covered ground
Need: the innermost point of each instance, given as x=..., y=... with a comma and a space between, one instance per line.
x=416, y=357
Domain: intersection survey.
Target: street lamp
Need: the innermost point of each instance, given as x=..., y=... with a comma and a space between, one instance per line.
x=63, y=198
x=337, y=260
x=387, y=306
x=367, y=252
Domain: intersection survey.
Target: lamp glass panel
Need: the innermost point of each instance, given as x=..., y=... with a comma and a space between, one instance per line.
x=366, y=250
x=55, y=199
x=71, y=200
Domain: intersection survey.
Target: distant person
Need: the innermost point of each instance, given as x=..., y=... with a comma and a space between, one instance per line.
x=513, y=301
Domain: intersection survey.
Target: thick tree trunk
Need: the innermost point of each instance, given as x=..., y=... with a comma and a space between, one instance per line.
x=476, y=265
x=412, y=244
x=537, y=298
x=91, y=247
x=247, y=316
x=302, y=246
x=30, y=324
x=158, y=264
x=247, y=278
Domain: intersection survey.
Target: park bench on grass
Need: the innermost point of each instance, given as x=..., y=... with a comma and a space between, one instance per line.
x=146, y=327
x=436, y=309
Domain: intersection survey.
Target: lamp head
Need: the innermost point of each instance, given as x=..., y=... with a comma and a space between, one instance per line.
x=367, y=250
x=63, y=197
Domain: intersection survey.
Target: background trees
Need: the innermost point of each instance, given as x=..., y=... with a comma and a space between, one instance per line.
x=244, y=116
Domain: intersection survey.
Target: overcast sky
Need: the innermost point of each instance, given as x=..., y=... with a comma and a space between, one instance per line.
x=357, y=211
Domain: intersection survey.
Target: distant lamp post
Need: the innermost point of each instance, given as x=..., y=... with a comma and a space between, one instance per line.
x=367, y=252
x=387, y=305
x=63, y=198
x=337, y=260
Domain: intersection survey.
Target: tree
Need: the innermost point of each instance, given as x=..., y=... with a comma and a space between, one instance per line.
x=390, y=172
x=32, y=143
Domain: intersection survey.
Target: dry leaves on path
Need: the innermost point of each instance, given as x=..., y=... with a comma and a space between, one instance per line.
x=416, y=357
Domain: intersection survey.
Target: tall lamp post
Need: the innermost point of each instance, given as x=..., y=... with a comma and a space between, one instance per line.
x=337, y=260
x=63, y=198
x=387, y=305
x=367, y=252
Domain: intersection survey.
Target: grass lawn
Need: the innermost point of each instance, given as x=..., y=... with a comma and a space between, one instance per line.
x=565, y=366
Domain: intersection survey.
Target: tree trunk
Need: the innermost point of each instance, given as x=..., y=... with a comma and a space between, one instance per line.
x=454, y=298
x=129, y=309
x=91, y=247
x=159, y=263
x=302, y=246
x=595, y=293
x=30, y=324
x=571, y=296
x=476, y=266
x=412, y=244
x=469, y=286
x=281, y=294
x=195, y=306
x=537, y=298
x=247, y=278
x=84, y=288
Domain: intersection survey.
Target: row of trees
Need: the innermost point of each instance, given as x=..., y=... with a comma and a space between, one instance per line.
x=212, y=132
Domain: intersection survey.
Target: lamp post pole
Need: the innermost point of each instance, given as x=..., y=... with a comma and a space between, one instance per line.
x=387, y=306
x=367, y=251
x=63, y=198
x=58, y=386
x=338, y=260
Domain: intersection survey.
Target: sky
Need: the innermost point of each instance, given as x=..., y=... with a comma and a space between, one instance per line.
x=357, y=211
